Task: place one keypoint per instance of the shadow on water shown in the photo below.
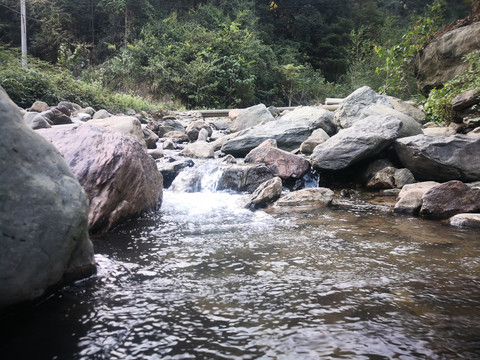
(207, 279)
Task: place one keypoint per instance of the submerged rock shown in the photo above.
(311, 197)
(43, 214)
(120, 178)
(465, 220)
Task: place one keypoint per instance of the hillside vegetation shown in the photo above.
(215, 54)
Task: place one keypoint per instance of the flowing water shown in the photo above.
(207, 279)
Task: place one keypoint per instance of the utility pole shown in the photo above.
(23, 16)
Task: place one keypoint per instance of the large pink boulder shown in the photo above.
(121, 180)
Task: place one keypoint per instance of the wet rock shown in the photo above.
(366, 138)
(318, 137)
(199, 149)
(177, 136)
(101, 114)
(168, 144)
(43, 214)
(150, 138)
(56, 117)
(175, 124)
(440, 158)
(202, 135)
(450, 198)
(35, 121)
(162, 130)
(170, 170)
(442, 59)
(250, 117)
(281, 163)
(390, 177)
(156, 153)
(465, 220)
(409, 201)
(266, 193)
(220, 123)
(193, 130)
(65, 110)
(229, 159)
(81, 117)
(372, 168)
(127, 125)
(243, 178)
(311, 197)
(121, 180)
(89, 110)
(288, 134)
(39, 106)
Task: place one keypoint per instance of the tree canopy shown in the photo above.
(219, 53)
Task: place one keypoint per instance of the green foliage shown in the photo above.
(42, 81)
(438, 107)
(399, 59)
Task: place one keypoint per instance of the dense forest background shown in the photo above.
(219, 53)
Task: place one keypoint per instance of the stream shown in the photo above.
(207, 279)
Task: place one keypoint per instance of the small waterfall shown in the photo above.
(203, 177)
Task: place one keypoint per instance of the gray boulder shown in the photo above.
(121, 180)
(43, 214)
(199, 149)
(288, 134)
(34, 121)
(250, 117)
(56, 116)
(410, 127)
(318, 137)
(150, 137)
(449, 199)
(101, 114)
(440, 158)
(39, 106)
(319, 118)
(366, 138)
(354, 104)
(243, 178)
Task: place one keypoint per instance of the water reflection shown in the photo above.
(210, 280)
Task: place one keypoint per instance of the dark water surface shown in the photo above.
(208, 280)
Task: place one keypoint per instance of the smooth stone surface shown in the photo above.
(409, 200)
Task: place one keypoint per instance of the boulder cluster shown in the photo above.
(71, 172)
(373, 142)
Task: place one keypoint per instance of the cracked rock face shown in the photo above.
(43, 214)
